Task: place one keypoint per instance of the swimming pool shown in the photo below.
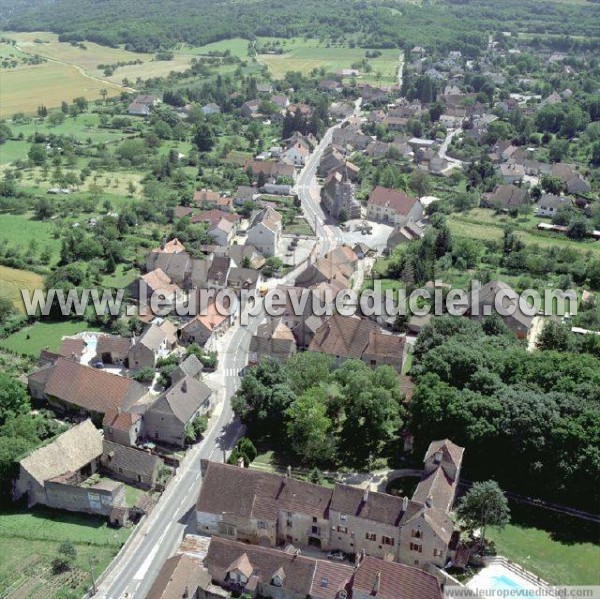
(498, 577)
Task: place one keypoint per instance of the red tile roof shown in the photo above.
(91, 389)
(388, 580)
(398, 201)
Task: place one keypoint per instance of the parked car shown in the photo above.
(337, 556)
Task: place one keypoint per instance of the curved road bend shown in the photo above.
(133, 571)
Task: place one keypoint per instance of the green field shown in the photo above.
(560, 549)
(121, 278)
(484, 224)
(21, 229)
(305, 55)
(43, 334)
(29, 542)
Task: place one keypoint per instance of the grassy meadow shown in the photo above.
(43, 334)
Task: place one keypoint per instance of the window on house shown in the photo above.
(388, 540)
(316, 530)
(437, 552)
(343, 518)
(262, 525)
(343, 529)
(288, 523)
(416, 547)
(371, 536)
(314, 518)
(416, 534)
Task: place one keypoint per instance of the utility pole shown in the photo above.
(92, 576)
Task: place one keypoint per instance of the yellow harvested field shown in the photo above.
(87, 59)
(47, 45)
(13, 280)
(24, 89)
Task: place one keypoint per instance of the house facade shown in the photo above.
(392, 206)
(275, 510)
(264, 231)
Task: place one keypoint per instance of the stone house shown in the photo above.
(191, 366)
(112, 349)
(549, 204)
(77, 451)
(348, 337)
(205, 325)
(122, 427)
(130, 465)
(273, 339)
(157, 341)
(487, 297)
(74, 387)
(392, 206)
(264, 231)
(55, 474)
(165, 420)
(273, 510)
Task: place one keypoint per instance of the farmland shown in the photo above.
(306, 55)
(24, 89)
(13, 280)
(29, 542)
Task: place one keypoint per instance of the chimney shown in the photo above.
(377, 584)
(404, 504)
(224, 457)
(288, 472)
(118, 410)
(184, 386)
(438, 457)
(240, 462)
(366, 495)
(429, 501)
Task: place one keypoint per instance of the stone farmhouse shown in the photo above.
(55, 474)
(393, 206)
(275, 510)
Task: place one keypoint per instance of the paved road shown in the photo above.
(134, 570)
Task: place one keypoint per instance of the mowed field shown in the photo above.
(306, 55)
(12, 281)
(25, 88)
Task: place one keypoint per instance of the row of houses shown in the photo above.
(228, 568)
(275, 510)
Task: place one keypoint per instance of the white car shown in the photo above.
(337, 556)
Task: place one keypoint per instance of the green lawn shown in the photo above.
(559, 549)
(29, 542)
(22, 229)
(42, 334)
(121, 278)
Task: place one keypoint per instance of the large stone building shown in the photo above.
(272, 510)
(339, 198)
(393, 206)
(264, 231)
(56, 474)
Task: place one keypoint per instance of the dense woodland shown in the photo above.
(148, 26)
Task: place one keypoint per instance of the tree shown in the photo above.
(7, 309)
(552, 184)
(37, 154)
(13, 398)
(555, 336)
(484, 505)
(144, 375)
(67, 554)
(43, 209)
(594, 159)
(5, 133)
(244, 449)
(309, 427)
(578, 229)
(204, 137)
